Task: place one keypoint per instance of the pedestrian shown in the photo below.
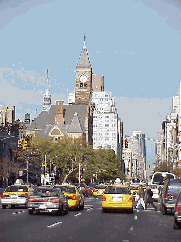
(149, 199)
(141, 194)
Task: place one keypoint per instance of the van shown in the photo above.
(169, 195)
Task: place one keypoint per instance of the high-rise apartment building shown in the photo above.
(105, 122)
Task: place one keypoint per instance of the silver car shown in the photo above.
(15, 195)
(47, 199)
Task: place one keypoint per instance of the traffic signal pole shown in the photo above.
(131, 165)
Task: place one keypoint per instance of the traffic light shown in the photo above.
(19, 143)
(126, 143)
(24, 144)
(148, 166)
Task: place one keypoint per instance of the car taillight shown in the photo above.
(2, 195)
(55, 201)
(166, 195)
(74, 197)
(26, 194)
(94, 190)
(103, 198)
(130, 199)
(176, 208)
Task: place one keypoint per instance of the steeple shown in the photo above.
(47, 97)
(84, 61)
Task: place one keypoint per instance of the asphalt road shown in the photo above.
(87, 225)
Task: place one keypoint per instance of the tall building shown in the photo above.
(97, 83)
(7, 115)
(106, 124)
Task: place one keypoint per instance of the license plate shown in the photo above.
(42, 206)
(117, 199)
(14, 196)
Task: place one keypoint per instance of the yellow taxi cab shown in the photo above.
(117, 197)
(75, 199)
(99, 190)
(15, 195)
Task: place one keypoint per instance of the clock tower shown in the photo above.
(83, 90)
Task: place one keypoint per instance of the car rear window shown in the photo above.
(16, 189)
(71, 190)
(62, 188)
(117, 190)
(174, 185)
(47, 192)
(100, 187)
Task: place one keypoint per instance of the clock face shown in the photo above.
(83, 79)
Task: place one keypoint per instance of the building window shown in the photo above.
(85, 84)
(81, 84)
(106, 125)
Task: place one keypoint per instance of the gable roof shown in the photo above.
(45, 121)
(75, 125)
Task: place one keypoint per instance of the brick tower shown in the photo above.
(83, 90)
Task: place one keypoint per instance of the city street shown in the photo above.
(89, 224)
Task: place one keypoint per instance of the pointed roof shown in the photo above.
(84, 61)
(75, 126)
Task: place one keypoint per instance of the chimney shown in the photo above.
(59, 112)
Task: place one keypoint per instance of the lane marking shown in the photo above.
(55, 224)
(19, 212)
(77, 214)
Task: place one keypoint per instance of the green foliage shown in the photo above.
(177, 171)
(163, 167)
(67, 153)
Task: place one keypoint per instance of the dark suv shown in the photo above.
(177, 213)
(169, 195)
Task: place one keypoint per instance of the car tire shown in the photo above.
(130, 211)
(78, 207)
(82, 207)
(4, 206)
(66, 211)
(30, 212)
(164, 210)
(104, 210)
(175, 224)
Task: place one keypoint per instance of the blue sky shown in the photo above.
(135, 44)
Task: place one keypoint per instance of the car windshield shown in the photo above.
(16, 189)
(117, 190)
(46, 192)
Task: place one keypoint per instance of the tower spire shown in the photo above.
(48, 88)
(84, 41)
(47, 96)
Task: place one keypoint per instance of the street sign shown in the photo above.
(43, 163)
